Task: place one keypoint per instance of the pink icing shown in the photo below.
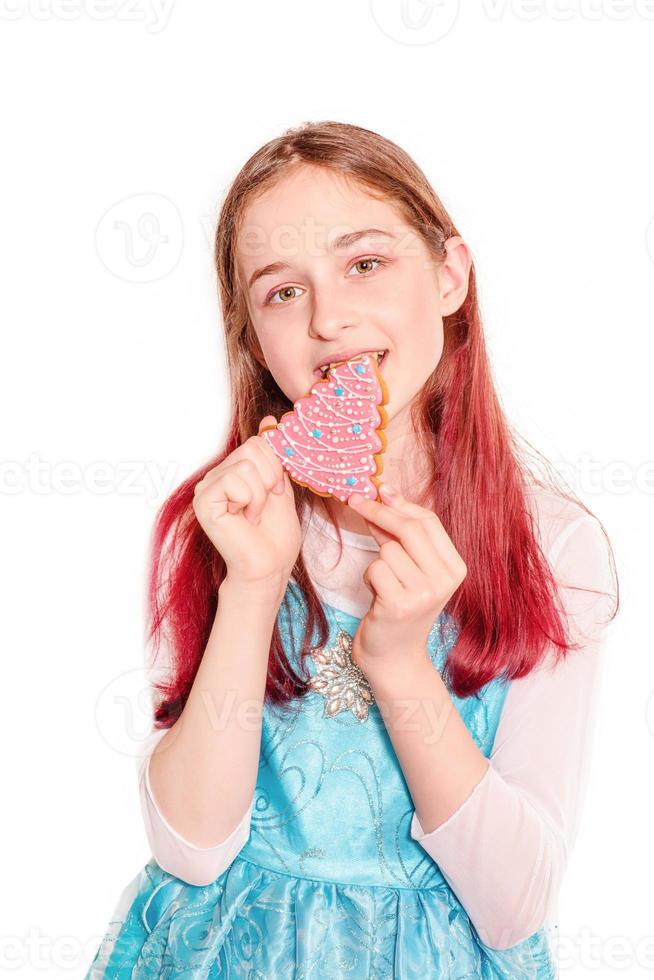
(331, 439)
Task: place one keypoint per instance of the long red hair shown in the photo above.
(507, 609)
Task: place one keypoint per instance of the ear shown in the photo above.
(454, 275)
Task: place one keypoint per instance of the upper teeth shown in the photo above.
(327, 367)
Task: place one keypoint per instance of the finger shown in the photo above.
(375, 511)
(433, 525)
(215, 476)
(402, 565)
(412, 532)
(229, 496)
(392, 497)
(379, 535)
(248, 470)
(283, 483)
(267, 422)
(382, 582)
(270, 422)
(256, 450)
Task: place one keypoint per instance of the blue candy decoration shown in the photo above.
(288, 451)
(317, 433)
(338, 391)
(356, 429)
(360, 369)
(351, 480)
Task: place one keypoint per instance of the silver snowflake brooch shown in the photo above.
(340, 681)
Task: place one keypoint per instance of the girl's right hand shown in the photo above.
(247, 509)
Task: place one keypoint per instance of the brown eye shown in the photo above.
(367, 261)
(285, 291)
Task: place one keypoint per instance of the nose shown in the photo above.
(331, 314)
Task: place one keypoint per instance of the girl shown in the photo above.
(372, 742)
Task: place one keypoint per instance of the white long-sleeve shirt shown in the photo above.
(505, 849)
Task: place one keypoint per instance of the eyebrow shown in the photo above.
(340, 243)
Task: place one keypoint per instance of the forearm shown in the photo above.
(440, 760)
(498, 850)
(203, 771)
(501, 830)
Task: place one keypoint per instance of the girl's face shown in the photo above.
(329, 270)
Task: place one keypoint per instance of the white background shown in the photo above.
(533, 122)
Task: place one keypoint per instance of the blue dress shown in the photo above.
(330, 883)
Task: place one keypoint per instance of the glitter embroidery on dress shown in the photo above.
(340, 680)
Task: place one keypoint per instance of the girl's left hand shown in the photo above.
(416, 573)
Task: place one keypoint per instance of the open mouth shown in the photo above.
(380, 355)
